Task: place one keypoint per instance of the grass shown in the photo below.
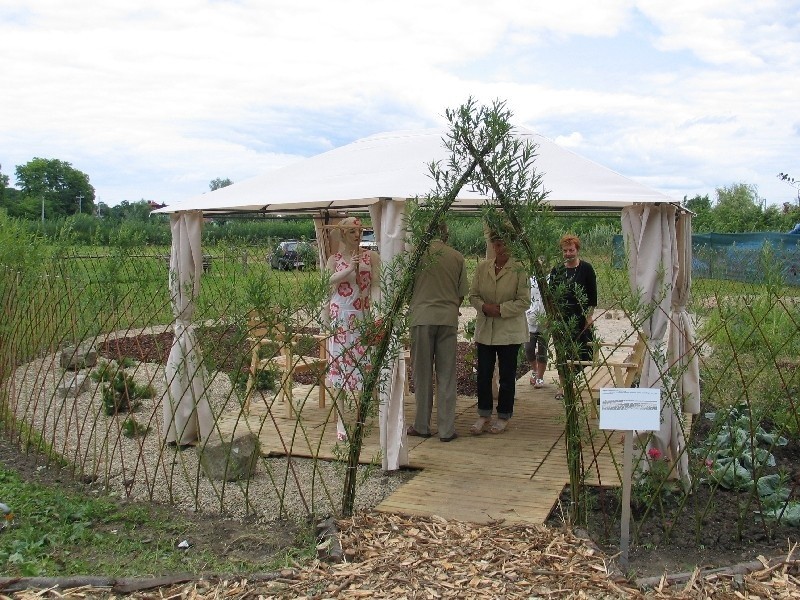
(58, 532)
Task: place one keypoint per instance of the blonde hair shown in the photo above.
(349, 222)
(346, 223)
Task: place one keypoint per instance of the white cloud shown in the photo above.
(155, 99)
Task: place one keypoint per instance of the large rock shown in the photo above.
(75, 358)
(229, 459)
(73, 385)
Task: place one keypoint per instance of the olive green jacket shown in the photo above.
(511, 289)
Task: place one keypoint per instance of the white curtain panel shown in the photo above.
(652, 270)
(682, 353)
(388, 221)
(187, 413)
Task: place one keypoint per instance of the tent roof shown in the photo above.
(395, 165)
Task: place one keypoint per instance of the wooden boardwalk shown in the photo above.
(516, 476)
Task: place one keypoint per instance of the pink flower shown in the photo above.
(654, 453)
(345, 289)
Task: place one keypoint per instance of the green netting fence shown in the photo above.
(750, 257)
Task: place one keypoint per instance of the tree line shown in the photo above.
(57, 201)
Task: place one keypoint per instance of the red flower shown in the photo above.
(357, 304)
(334, 310)
(654, 453)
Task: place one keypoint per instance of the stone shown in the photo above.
(73, 385)
(75, 358)
(229, 459)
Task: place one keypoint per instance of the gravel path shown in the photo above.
(143, 468)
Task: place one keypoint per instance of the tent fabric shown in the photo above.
(186, 411)
(380, 173)
(652, 270)
(682, 354)
(394, 165)
(388, 221)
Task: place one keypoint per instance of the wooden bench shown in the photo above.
(263, 334)
(605, 371)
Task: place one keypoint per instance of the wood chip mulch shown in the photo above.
(393, 556)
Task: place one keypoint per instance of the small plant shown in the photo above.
(733, 456)
(653, 486)
(470, 357)
(131, 428)
(106, 370)
(122, 394)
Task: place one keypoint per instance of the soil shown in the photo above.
(728, 532)
(714, 528)
(246, 541)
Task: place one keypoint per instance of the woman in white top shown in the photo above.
(536, 346)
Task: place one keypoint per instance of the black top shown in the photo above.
(579, 290)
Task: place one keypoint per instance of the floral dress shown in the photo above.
(348, 303)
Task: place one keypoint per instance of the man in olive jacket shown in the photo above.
(439, 288)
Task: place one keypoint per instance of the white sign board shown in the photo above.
(629, 409)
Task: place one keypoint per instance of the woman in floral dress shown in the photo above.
(354, 283)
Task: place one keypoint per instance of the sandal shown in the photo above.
(479, 426)
(533, 380)
(499, 426)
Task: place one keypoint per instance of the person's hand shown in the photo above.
(491, 310)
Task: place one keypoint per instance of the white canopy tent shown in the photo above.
(380, 173)
(394, 165)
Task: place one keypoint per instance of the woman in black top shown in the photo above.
(575, 285)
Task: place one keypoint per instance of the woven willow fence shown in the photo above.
(117, 303)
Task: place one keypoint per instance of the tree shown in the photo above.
(3, 185)
(701, 207)
(56, 185)
(738, 209)
(130, 211)
(217, 183)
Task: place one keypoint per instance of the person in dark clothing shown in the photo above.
(576, 284)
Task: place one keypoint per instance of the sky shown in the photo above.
(154, 99)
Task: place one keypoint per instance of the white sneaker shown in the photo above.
(539, 383)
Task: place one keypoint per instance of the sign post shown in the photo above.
(629, 410)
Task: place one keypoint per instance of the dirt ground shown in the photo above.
(723, 537)
(709, 532)
(222, 536)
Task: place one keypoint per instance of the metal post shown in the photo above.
(80, 203)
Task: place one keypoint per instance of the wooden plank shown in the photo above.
(517, 476)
